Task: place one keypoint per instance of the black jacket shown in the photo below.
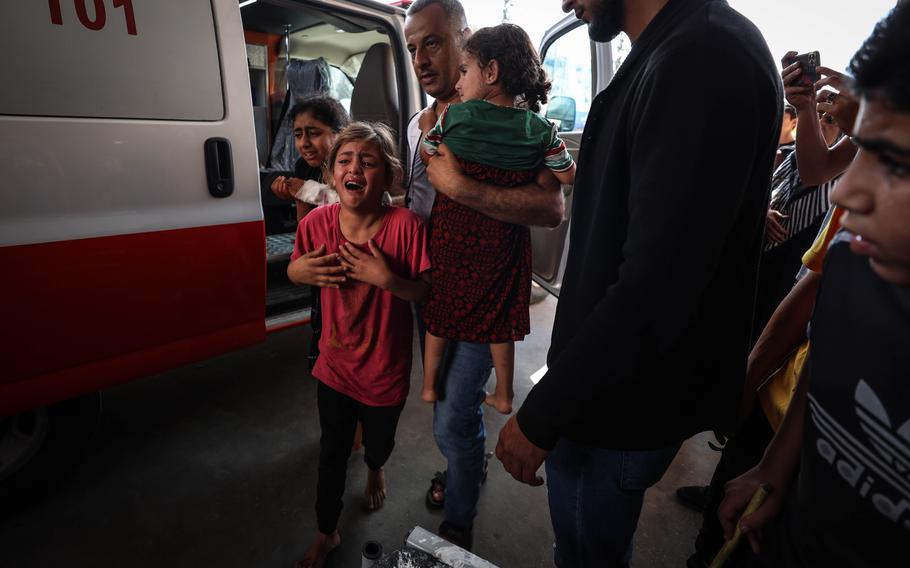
(652, 328)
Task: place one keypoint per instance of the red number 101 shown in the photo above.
(100, 17)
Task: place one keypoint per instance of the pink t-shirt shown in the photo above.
(365, 348)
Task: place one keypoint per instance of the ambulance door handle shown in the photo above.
(219, 167)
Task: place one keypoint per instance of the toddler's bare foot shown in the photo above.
(318, 550)
(375, 489)
(501, 403)
(428, 395)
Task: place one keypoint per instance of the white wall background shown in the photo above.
(836, 28)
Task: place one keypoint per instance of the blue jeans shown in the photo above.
(595, 499)
(458, 426)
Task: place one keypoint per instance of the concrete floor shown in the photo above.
(214, 464)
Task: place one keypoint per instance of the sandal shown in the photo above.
(437, 487)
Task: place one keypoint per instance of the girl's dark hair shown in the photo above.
(520, 73)
(324, 108)
(881, 67)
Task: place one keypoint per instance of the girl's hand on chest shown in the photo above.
(367, 266)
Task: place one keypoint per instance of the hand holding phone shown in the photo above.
(809, 63)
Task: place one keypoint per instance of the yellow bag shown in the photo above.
(777, 390)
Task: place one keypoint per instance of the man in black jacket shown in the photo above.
(652, 329)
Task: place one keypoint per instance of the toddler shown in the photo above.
(481, 284)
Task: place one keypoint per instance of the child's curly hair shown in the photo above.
(520, 73)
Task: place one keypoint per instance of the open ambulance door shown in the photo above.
(578, 69)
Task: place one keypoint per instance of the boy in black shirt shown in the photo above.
(849, 505)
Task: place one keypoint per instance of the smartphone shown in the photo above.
(809, 63)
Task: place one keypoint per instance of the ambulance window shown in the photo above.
(111, 59)
(342, 87)
(568, 64)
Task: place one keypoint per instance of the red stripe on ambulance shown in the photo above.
(83, 314)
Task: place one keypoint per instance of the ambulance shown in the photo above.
(138, 139)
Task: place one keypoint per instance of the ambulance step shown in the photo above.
(289, 319)
(285, 297)
(279, 247)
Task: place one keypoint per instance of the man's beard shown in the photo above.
(606, 23)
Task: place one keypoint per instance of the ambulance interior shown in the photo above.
(294, 51)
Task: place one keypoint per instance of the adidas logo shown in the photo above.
(892, 444)
(877, 466)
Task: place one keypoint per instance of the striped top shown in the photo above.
(801, 204)
(507, 138)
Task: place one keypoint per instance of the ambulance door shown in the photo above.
(578, 69)
(131, 233)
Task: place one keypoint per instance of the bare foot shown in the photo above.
(319, 549)
(375, 489)
(501, 403)
(428, 395)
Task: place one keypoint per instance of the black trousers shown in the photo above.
(338, 417)
(741, 453)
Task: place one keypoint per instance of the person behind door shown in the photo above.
(653, 324)
(317, 120)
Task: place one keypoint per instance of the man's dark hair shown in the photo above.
(453, 9)
(520, 73)
(790, 109)
(881, 67)
(324, 108)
